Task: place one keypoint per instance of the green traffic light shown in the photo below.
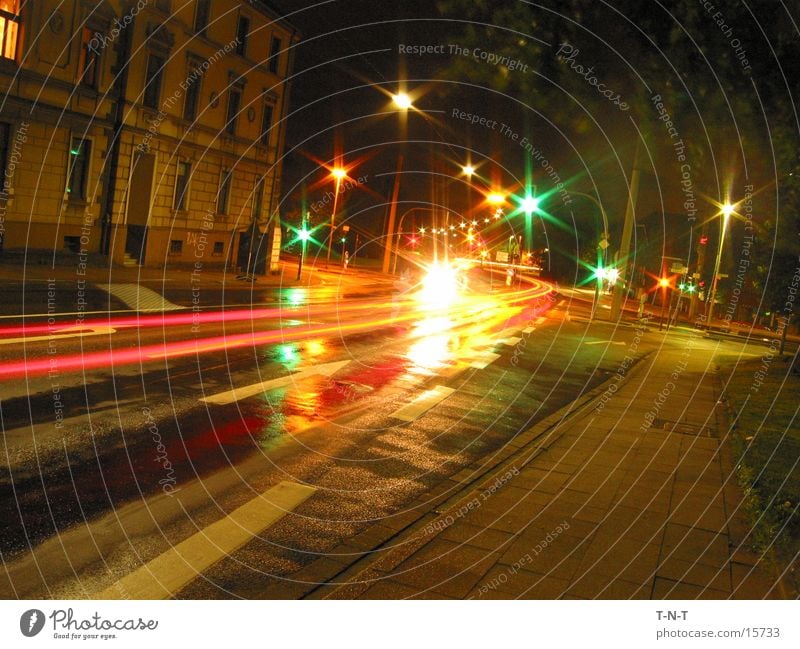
(529, 204)
(304, 235)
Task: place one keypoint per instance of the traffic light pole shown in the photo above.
(302, 249)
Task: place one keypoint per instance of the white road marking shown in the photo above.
(423, 403)
(231, 396)
(484, 360)
(172, 570)
(65, 332)
(513, 340)
(528, 330)
(604, 342)
(140, 298)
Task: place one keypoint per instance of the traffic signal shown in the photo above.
(703, 240)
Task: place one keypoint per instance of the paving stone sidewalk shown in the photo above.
(607, 508)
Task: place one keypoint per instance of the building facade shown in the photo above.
(146, 131)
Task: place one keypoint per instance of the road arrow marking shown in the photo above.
(423, 403)
(61, 333)
(181, 564)
(237, 394)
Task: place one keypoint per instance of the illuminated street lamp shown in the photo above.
(402, 101)
(468, 170)
(338, 174)
(496, 198)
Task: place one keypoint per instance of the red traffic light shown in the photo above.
(703, 240)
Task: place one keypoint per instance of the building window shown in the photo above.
(73, 244)
(219, 248)
(182, 174)
(275, 55)
(234, 101)
(152, 87)
(175, 246)
(266, 123)
(224, 194)
(193, 81)
(89, 63)
(9, 28)
(201, 16)
(79, 152)
(242, 30)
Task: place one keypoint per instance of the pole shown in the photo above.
(302, 248)
(387, 252)
(627, 231)
(333, 219)
(715, 279)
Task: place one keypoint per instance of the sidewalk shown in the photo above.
(42, 289)
(594, 505)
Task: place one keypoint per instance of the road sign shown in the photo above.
(677, 267)
(502, 256)
(604, 244)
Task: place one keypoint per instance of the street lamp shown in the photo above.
(402, 101)
(727, 211)
(496, 198)
(337, 173)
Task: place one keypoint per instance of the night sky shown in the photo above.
(348, 64)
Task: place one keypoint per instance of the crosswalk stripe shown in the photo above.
(484, 360)
(172, 570)
(422, 403)
(139, 298)
(513, 340)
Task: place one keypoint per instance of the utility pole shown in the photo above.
(627, 231)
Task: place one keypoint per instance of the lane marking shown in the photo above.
(231, 396)
(76, 331)
(423, 403)
(604, 342)
(484, 360)
(172, 570)
(513, 340)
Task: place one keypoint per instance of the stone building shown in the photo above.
(144, 131)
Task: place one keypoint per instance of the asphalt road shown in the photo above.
(108, 466)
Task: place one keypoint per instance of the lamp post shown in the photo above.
(727, 211)
(404, 103)
(338, 174)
